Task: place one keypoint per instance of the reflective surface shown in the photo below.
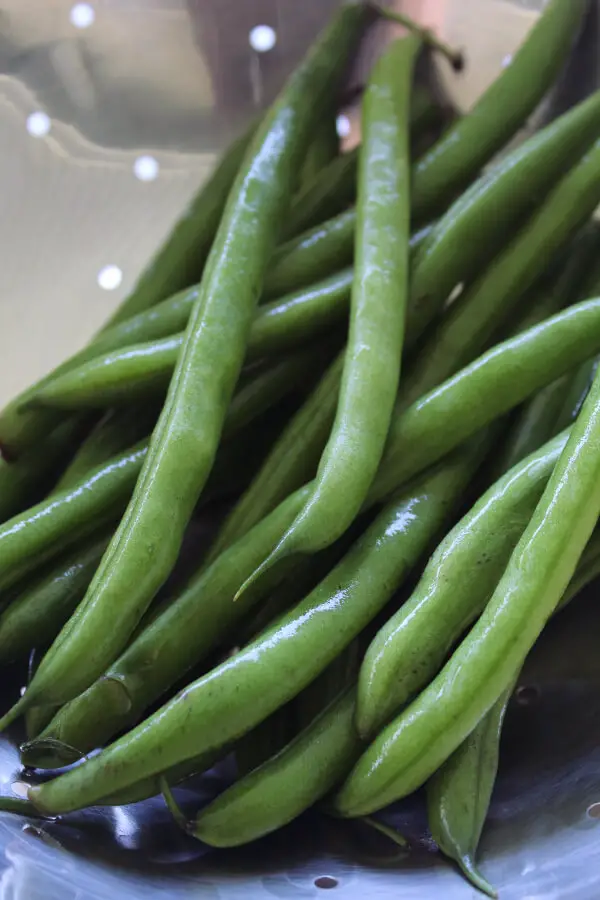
(110, 116)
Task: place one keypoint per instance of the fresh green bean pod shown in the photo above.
(115, 432)
(284, 786)
(377, 313)
(410, 649)
(323, 150)
(312, 255)
(484, 390)
(409, 750)
(334, 188)
(145, 369)
(459, 793)
(68, 516)
(45, 603)
(499, 112)
(24, 481)
(475, 227)
(482, 311)
(291, 462)
(231, 699)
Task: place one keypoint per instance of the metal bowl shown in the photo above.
(111, 115)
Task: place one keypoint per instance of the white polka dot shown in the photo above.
(342, 125)
(110, 277)
(507, 60)
(262, 38)
(146, 168)
(82, 15)
(38, 124)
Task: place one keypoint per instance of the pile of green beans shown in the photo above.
(390, 437)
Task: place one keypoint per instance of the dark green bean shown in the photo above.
(324, 149)
(114, 433)
(377, 312)
(24, 481)
(44, 604)
(499, 112)
(458, 794)
(146, 369)
(68, 516)
(283, 786)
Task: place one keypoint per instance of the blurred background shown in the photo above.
(111, 115)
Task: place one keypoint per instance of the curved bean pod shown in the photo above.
(146, 369)
(285, 785)
(459, 793)
(40, 610)
(411, 647)
(68, 516)
(377, 313)
(492, 385)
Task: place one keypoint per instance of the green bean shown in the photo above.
(537, 421)
(415, 744)
(334, 188)
(323, 150)
(411, 647)
(474, 318)
(184, 442)
(114, 433)
(150, 787)
(291, 462)
(317, 253)
(475, 227)
(268, 387)
(487, 388)
(458, 794)
(231, 699)
(265, 740)
(285, 785)
(377, 313)
(45, 603)
(146, 369)
(68, 516)
(22, 482)
(499, 112)
(179, 637)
